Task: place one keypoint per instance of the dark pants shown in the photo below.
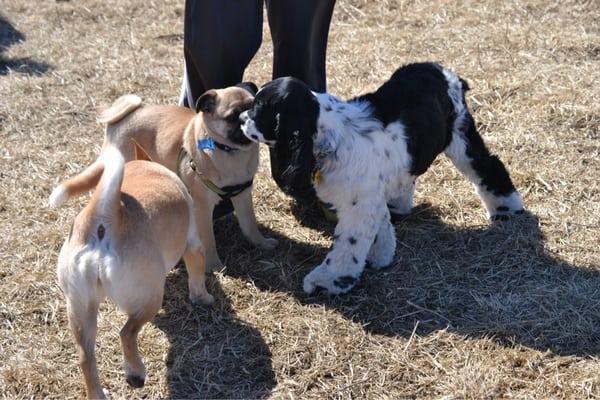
(222, 36)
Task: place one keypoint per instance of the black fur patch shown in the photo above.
(375, 240)
(327, 261)
(502, 208)
(207, 102)
(417, 95)
(354, 260)
(488, 167)
(286, 111)
(345, 282)
(101, 231)
(352, 240)
(249, 86)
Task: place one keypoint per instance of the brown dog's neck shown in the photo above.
(194, 132)
(221, 167)
(201, 132)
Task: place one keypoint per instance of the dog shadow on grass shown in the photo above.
(212, 353)
(496, 281)
(8, 37)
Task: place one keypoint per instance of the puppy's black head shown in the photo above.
(284, 115)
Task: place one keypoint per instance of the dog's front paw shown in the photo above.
(503, 213)
(501, 208)
(267, 244)
(204, 298)
(135, 381)
(135, 377)
(321, 277)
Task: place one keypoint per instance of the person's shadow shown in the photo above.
(212, 353)
(495, 281)
(25, 65)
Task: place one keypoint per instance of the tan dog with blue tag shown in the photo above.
(205, 148)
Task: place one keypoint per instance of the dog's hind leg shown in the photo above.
(195, 262)
(83, 323)
(489, 175)
(203, 216)
(134, 366)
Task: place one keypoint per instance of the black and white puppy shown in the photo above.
(363, 157)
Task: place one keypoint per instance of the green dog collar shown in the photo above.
(225, 192)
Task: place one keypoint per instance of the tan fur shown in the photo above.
(122, 245)
(123, 106)
(162, 130)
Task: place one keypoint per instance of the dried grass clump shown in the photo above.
(469, 310)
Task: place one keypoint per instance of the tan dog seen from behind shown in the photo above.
(121, 245)
(163, 131)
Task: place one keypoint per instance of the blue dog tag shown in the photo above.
(206, 144)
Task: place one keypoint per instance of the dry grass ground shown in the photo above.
(469, 310)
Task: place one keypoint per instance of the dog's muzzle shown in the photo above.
(238, 137)
(248, 127)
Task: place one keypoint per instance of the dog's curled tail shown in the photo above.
(122, 107)
(86, 180)
(108, 192)
(79, 184)
(89, 177)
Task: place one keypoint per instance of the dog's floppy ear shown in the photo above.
(249, 86)
(207, 102)
(140, 153)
